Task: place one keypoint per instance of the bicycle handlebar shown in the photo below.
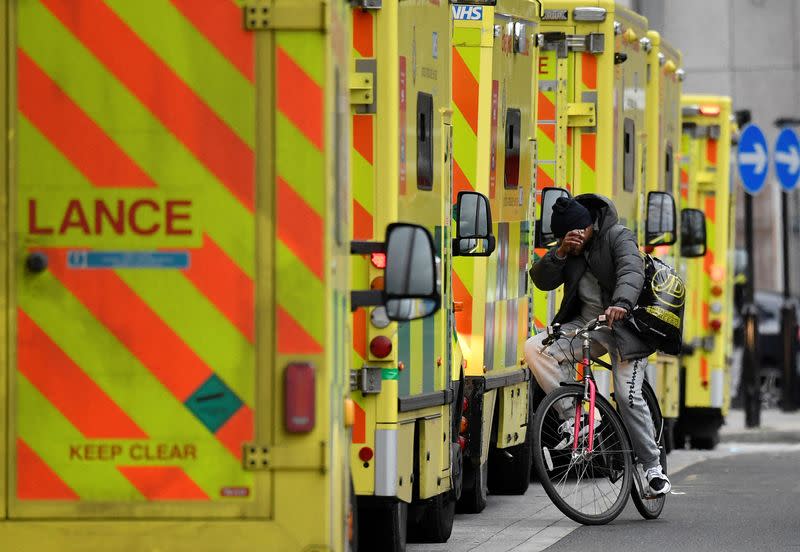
(554, 332)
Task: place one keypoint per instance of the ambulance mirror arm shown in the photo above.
(366, 298)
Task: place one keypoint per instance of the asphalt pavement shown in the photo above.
(745, 502)
(745, 494)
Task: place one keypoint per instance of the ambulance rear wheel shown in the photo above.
(705, 442)
(510, 468)
(383, 525)
(434, 519)
(476, 489)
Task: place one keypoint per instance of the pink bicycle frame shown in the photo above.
(592, 389)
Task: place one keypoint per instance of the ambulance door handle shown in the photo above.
(36, 262)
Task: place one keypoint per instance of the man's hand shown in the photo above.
(571, 243)
(615, 313)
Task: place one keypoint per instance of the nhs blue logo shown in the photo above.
(467, 13)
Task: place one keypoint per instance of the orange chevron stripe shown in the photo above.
(711, 208)
(237, 431)
(221, 24)
(362, 222)
(359, 425)
(589, 70)
(220, 280)
(363, 136)
(300, 228)
(163, 482)
(704, 371)
(360, 332)
(711, 151)
(549, 130)
(157, 86)
(72, 132)
(139, 329)
(460, 181)
(543, 179)
(705, 313)
(362, 32)
(589, 148)
(546, 109)
(68, 388)
(299, 98)
(292, 338)
(465, 91)
(36, 480)
(463, 318)
(708, 261)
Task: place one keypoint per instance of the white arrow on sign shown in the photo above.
(790, 158)
(757, 158)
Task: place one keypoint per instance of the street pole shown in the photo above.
(788, 319)
(751, 379)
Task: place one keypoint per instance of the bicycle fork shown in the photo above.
(590, 392)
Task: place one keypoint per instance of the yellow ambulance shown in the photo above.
(592, 126)
(175, 276)
(707, 244)
(494, 153)
(407, 378)
(663, 121)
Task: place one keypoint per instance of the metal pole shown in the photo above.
(788, 319)
(751, 379)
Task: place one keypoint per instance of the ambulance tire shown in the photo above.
(433, 521)
(352, 528)
(510, 468)
(383, 526)
(705, 442)
(476, 489)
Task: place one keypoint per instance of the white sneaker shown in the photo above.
(658, 480)
(568, 428)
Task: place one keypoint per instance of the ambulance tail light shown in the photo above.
(462, 442)
(709, 110)
(365, 454)
(465, 405)
(716, 290)
(716, 325)
(378, 260)
(464, 425)
(299, 397)
(380, 346)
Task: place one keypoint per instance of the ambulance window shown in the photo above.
(629, 156)
(669, 170)
(513, 123)
(424, 141)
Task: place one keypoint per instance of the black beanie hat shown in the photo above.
(568, 215)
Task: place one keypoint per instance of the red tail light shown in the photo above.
(380, 346)
(464, 425)
(716, 325)
(378, 260)
(300, 397)
(365, 454)
(716, 291)
(462, 442)
(465, 405)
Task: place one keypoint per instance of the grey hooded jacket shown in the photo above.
(613, 257)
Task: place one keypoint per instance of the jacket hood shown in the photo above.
(602, 210)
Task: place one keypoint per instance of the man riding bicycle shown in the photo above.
(598, 261)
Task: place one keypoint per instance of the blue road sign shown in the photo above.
(787, 159)
(753, 159)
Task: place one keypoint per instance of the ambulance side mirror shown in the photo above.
(693, 233)
(411, 288)
(544, 232)
(660, 226)
(473, 226)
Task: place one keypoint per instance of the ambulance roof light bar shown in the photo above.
(589, 14)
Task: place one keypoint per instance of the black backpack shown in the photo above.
(658, 314)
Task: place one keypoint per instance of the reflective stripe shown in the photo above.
(386, 462)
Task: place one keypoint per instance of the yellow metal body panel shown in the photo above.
(430, 456)
(318, 63)
(512, 418)
(708, 144)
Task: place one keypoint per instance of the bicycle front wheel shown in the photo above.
(588, 486)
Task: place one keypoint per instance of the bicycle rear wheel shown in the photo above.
(650, 507)
(591, 488)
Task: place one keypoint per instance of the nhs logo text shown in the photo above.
(468, 13)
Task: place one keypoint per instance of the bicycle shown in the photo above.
(596, 450)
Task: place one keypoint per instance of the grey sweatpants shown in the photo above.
(556, 363)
